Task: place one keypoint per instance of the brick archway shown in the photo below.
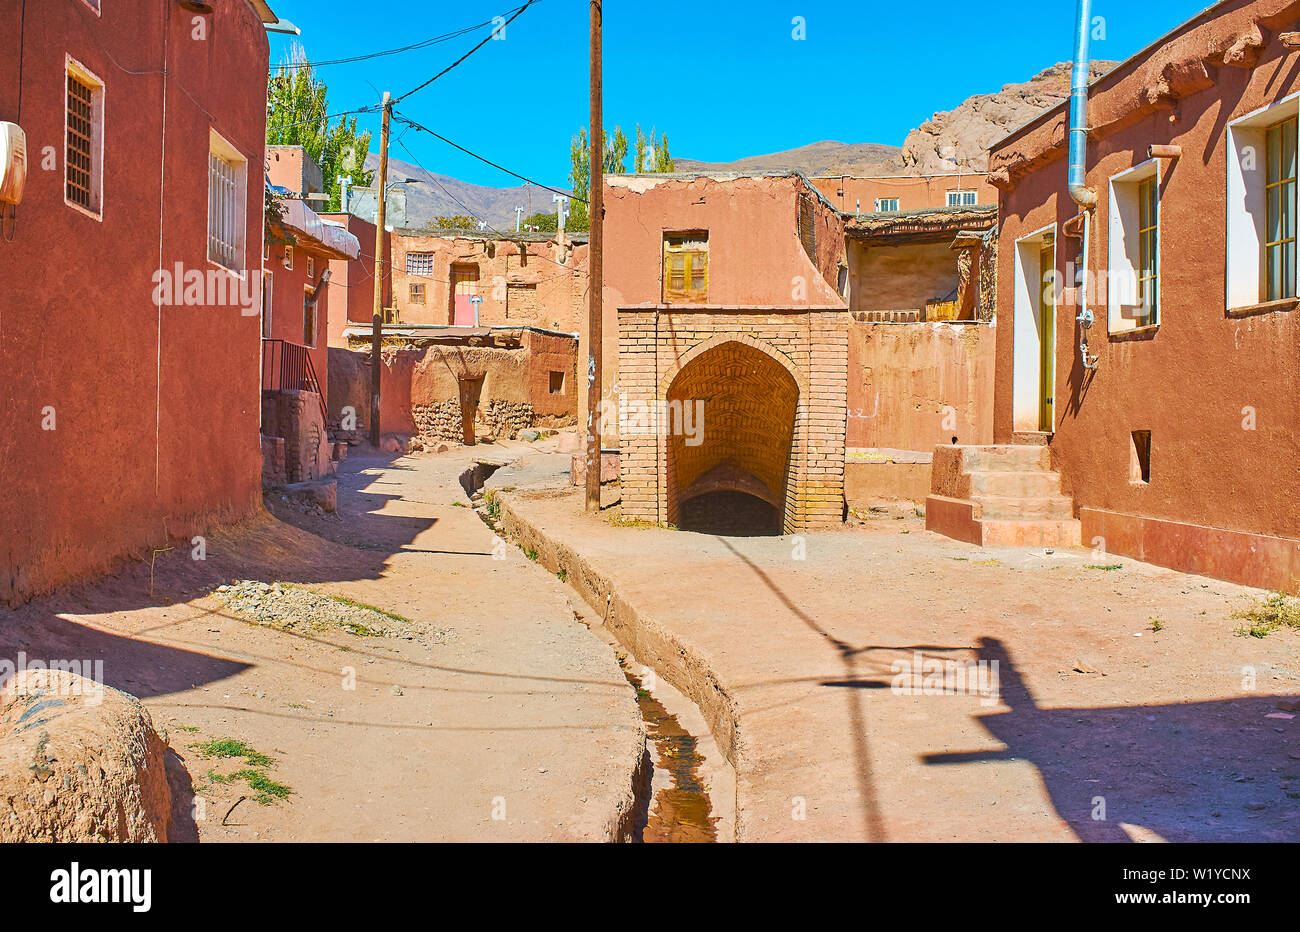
(774, 382)
(744, 408)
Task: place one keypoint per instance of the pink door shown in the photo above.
(464, 288)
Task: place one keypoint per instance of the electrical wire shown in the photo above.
(517, 13)
(424, 129)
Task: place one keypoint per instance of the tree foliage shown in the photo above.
(298, 115)
(647, 157)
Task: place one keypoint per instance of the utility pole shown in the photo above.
(595, 279)
(377, 321)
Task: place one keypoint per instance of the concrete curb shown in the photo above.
(682, 665)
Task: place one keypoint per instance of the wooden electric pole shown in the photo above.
(377, 321)
(595, 279)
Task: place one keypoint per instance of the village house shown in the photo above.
(130, 261)
(1147, 343)
(855, 194)
(482, 279)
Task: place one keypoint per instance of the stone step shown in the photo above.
(1009, 483)
(1006, 458)
(1023, 508)
(1056, 534)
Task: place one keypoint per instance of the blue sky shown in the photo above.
(723, 79)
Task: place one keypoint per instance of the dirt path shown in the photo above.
(1103, 729)
(517, 725)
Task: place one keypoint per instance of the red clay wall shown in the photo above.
(913, 386)
(755, 255)
(352, 281)
(913, 193)
(538, 284)
(156, 409)
(289, 287)
(1194, 381)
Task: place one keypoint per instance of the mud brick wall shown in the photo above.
(810, 345)
(297, 417)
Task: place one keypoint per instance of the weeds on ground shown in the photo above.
(531, 553)
(621, 521)
(232, 747)
(267, 790)
(1263, 617)
(352, 603)
(562, 575)
(1107, 567)
(1157, 623)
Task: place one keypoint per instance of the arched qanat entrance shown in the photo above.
(731, 474)
(770, 456)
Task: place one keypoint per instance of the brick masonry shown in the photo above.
(774, 382)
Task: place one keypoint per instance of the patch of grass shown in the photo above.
(620, 521)
(991, 561)
(356, 629)
(919, 512)
(1107, 567)
(232, 747)
(493, 506)
(267, 790)
(562, 575)
(1157, 623)
(190, 728)
(531, 553)
(459, 505)
(1264, 617)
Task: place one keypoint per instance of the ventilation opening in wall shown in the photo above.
(557, 383)
(1140, 457)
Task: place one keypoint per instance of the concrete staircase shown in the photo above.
(1000, 495)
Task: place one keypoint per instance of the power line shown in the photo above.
(471, 213)
(287, 66)
(486, 161)
(515, 15)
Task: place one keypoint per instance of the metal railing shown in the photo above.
(287, 367)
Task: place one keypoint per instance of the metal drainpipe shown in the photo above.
(1082, 195)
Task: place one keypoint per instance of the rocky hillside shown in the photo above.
(959, 138)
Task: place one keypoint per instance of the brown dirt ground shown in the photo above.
(1167, 730)
(524, 707)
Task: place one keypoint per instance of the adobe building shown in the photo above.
(1169, 426)
(352, 281)
(724, 295)
(131, 273)
(857, 194)
(477, 279)
(461, 384)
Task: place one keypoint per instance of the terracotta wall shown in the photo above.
(352, 281)
(1217, 390)
(288, 289)
(903, 277)
(913, 386)
(540, 284)
(755, 254)
(155, 408)
(292, 168)
(913, 192)
(421, 384)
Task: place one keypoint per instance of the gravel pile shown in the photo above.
(292, 608)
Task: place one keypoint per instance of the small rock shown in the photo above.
(397, 690)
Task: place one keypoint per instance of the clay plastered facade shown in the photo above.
(773, 386)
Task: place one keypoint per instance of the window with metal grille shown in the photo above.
(227, 197)
(288, 257)
(311, 266)
(886, 204)
(686, 268)
(83, 143)
(1280, 210)
(417, 292)
(961, 198)
(419, 263)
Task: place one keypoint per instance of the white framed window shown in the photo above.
(419, 263)
(288, 258)
(311, 267)
(227, 204)
(1261, 205)
(959, 197)
(886, 204)
(83, 140)
(1133, 249)
(268, 292)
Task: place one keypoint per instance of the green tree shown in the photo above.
(616, 152)
(542, 223)
(298, 115)
(457, 222)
